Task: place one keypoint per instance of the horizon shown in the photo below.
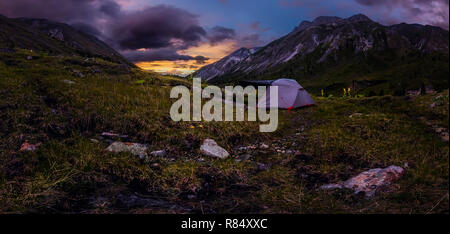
(177, 38)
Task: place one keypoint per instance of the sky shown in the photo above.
(181, 36)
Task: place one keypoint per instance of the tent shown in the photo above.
(291, 94)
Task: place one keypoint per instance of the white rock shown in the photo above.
(134, 148)
(211, 149)
(369, 181)
(355, 115)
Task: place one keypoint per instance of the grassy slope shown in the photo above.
(70, 173)
(387, 73)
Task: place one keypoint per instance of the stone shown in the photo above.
(212, 149)
(159, 153)
(369, 181)
(134, 148)
(244, 148)
(29, 57)
(355, 115)
(29, 147)
(69, 82)
(113, 135)
(95, 140)
(263, 146)
(243, 158)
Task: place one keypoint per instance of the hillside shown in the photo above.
(331, 53)
(53, 38)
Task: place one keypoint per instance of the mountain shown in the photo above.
(225, 65)
(54, 38)
(332, 50)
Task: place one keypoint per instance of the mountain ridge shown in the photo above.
(54, 38)
(330, 41)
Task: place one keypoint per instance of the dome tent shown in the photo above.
(291, 94)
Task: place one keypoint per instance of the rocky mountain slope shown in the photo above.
(54, 38)
(316, 47)
(226, 64)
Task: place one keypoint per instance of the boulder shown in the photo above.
(369, 181)
(134, 148)
(212, 149)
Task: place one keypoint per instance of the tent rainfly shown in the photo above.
(291, 94)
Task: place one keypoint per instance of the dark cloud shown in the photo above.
(86, 28)
(110, 8)
(219, 33)
(433, 12)
(157, 27)
(155, 55)
(168, 54)
(200, 60)
(58, 10)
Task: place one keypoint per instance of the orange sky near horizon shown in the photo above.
(181, 67)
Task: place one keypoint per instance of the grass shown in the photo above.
(71, 173)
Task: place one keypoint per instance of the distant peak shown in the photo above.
(359, 17)
(326, 20)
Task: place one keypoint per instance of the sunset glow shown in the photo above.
(182, 67)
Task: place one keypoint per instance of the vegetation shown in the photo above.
(369, 74)
(71, 172)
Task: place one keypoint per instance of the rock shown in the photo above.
(29, 147)
(355, 115)
(263, 146)
(243, 158)
(57, 34)
(432, 105)
(29, 57)
(94, 140)
(134, 148)
(69, 82)
(369, 181)
(290, 151)
(244, 148)
(211, 149)
(113, 135)
(159, 153)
